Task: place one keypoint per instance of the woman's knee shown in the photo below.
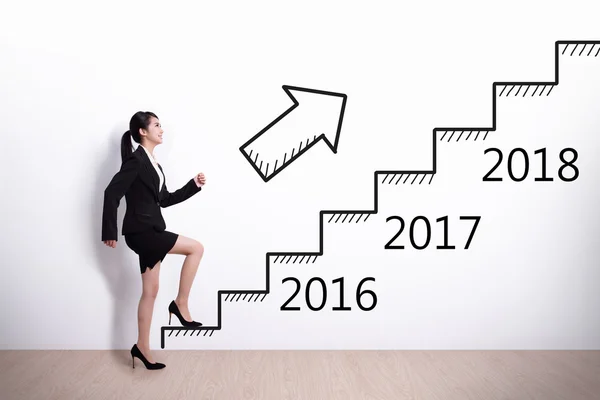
(198, 248)
(187, 246)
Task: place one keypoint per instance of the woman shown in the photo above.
(142, 182)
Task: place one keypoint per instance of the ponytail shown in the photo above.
(139, 120)
(126, 146)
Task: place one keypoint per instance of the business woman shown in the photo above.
(142, 181)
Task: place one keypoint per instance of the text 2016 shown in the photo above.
(360, 295)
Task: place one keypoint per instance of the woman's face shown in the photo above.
(154, 132)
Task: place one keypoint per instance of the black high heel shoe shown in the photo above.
(135, 352)
(173, 309)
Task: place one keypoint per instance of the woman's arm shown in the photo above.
(182, 194)
(112, 196)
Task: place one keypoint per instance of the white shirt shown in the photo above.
(158, 171)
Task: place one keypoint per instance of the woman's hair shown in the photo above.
(140, 119)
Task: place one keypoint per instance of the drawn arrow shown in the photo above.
(315, 115)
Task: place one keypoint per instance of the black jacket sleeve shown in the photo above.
(113, 194)
(182, 194)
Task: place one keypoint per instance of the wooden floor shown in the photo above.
(310, 375)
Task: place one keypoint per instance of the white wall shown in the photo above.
(73, 74)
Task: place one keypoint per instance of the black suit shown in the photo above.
(138, 181)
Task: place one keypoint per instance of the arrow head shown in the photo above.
(324, 109)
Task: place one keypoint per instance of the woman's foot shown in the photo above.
(146, 352)
(184, 310)
(137, 353)
(183, 315)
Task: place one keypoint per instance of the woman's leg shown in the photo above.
(193, 250)
(146, 308)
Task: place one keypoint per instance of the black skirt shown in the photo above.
(151, 246)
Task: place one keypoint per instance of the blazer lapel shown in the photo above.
(150, 172)
(164, 182)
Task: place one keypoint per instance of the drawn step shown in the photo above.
(594, 47)
(525, 87)
(299, 258)
(465, 135)
(403, 178)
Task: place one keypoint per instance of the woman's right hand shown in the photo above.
(111, 243)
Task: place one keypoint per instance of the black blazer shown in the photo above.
(138, 181)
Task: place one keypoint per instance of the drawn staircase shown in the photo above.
(395, 177)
